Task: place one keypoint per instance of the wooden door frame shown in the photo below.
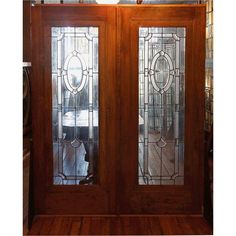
(77, 199)
(162, 199)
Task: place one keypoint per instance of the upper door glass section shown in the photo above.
(161, 105)
(75, 104)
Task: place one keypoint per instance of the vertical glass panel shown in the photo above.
(75, 110)
(161, 105)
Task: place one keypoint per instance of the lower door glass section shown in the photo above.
(161, 105)
(75, 111)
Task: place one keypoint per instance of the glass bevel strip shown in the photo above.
(75, 141)
(161, 105)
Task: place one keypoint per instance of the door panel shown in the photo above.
(74, 74)
(161, 169)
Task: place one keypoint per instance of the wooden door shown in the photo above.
(161, 109)
(117, 124)
(63, 36)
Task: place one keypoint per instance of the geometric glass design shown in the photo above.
(75, 105)
(161, 105)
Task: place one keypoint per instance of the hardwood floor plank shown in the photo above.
(124, 225)
(56, 225)
(36, 226)
(85, 226)
(95, 226)
(183, 224)
(46, 225)
(66, 226)
(176, 228)
(141, 225)
(199, 225)
(115, 226)
(105, 223)
(75, 226)
(166, 223)
(155, 225)
(99, 226)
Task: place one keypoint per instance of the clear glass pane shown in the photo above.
(161, 105)
(75, 102)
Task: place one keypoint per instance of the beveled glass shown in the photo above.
(75, 105)
(161, 105)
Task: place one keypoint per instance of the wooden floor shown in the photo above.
(123, 225)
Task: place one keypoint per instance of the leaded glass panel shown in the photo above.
(75, 105)
(161, 105)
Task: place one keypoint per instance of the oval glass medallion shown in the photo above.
(161, 74)
(75, 72)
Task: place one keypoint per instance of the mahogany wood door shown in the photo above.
(108, 90)
(79, 32)
(162, 109)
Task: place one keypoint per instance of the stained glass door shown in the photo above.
(118, 109)
(74, 111)
(162, 109)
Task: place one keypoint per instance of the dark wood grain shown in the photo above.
(38, 122)
(123, 225)
(26, 31)
(208, 172)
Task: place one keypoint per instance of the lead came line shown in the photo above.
(146, 88)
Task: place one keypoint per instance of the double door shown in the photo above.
(118, 109)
